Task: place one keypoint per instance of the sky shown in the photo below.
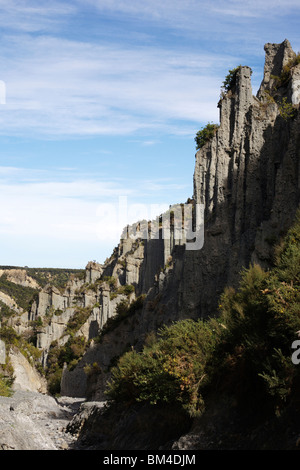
(100, 101)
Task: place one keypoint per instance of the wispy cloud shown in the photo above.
(34, 15)
(64, 87)
(78, 210)
(59, 86)
(194, 15)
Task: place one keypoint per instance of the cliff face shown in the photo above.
(247, 178)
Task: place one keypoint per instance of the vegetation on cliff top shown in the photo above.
(245, 351)
(205, 134)
(230, 80)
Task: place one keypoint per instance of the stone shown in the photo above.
(2, 352)
(34, 421)
(277, 55)
(26, 377)
(294, 88)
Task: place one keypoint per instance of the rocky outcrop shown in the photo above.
(93, 271)
(20, 277)
(247, 177)
(276, 57)
(26, 377)
(11, 303)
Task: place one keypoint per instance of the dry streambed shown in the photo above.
(32, 421)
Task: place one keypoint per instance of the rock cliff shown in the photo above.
(247, 179)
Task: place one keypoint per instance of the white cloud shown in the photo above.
(34, 15)
(63, 87)
(76, 211)
(195, 16)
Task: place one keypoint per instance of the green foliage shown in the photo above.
(80, 316)
(286, 110)
(5, 311)
(57, 277)
(230, 79)
(13, 339)
(9, 336)
(259, 323)
(5, 386)
(283, 79)
(205, 135)
(127, 289)
(69, 354)
(23, 296)
(168, 370)
(111, 281)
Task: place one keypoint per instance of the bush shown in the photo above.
(170, 370)
(5, 386)
(23, 296)
(286, 110)
(69, 354)
(257, 326)
(283, 79)
(230, 79)
(205, 135)
(80, 316)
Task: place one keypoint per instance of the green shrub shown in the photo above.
(170, 370)
(111, 281)
(23, 296)
(124, 310)
(283, 79)
(205, 135)
(286, 110)
(257, 326)
(5, 311)
(230, 79)
(5, 386)
(69, 354)
(80, 316)
(127, 289)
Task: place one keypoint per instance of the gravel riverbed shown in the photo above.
(33, 421)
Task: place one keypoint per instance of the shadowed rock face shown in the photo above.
(248, 178)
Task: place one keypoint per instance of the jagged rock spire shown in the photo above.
(277, 56)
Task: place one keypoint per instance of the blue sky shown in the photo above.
(103, 99)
